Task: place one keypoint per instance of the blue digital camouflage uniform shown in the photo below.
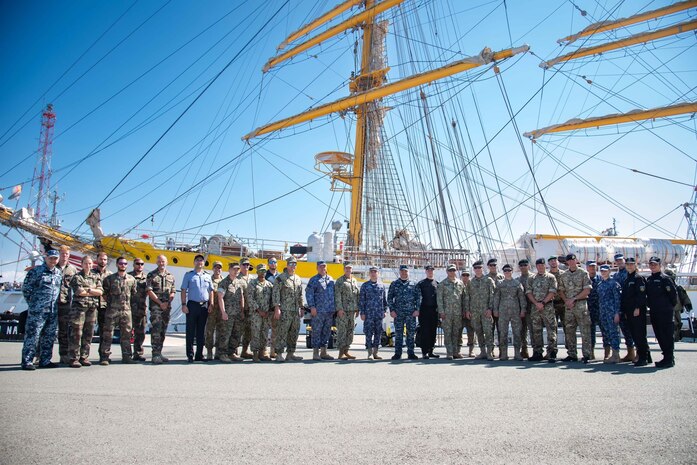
(319, 293)
(372, 302)
(404, 298)
(609, 295)
(594, 311)
(41, 290)
(620, 276)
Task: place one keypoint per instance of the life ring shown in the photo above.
(298, 256)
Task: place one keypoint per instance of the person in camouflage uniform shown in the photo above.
(497, 277)
(684, 304)
(101, 269)
(466, 321)
(215, 312)
(453, 303)
(244, 275)
(609, 298)
(559, 306)
(231, 297)
(320, 298)
(139, 309)
(68, 271)
(346, 292)
(271, 275)
(403, 300)
(119, 290)
(594, 309)
(574, 288)
(86, 287)
(621, 276)
(481, 299)
(288, 309)
(41, 290)
(541, 289)
(509, 306)
(372, 304)
(526, 321)
(258, 296)
(161, 290)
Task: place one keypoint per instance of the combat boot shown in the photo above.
(291, 356)
(375, 354)
(613, 358)
(449, 355)
(631, 354)
(127, 359)
(85, 363)
(156, 359)
(592, 357)
(516, 352)
(75, 364)
(342, 354)
(457, 355)
(279, 357)
(315, 354)
(349, 356)
(370, 354)
(324, 355)
(262, 355)
(164, 359)
(608, 349)
(209, 354)
(65, 360)
(471, 351)
(224, 359)
(245, 354)
(490, 354)
(503, 353)
(255, 356)
(482, 354)
(536, 357)
(233, 357)
(273, 353)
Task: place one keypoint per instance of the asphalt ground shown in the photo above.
(425, 411)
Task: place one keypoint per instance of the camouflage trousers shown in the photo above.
(452, 332)
(610, 329)
(260, 330)
(246, 329)
(484, 328)
(214, 328)
(404, 320)
(626, 330)
(229, 337)
(321, 329)
(344, 330)
(578, 317)
(287, 330)
(471, 336)
(112, 319)
(159, 320)
(81, 330)
(509, 317)
(63, 328)
(526, 328)
(596, 322)
(560, 312)
(541, 319)
(372, 328)
(40, 331)
(274, 325)
(138, 323)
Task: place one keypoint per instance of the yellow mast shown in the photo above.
(631, 40)
(604, 26)
(328, 16)
(607, 120)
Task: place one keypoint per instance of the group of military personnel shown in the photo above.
(224, 313)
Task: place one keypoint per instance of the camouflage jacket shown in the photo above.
(119, 291)
(233, 292)
(620, 276)
(523, 280)
(539, 285)
(287, 292)
(452, 297)
(496, 277)
(161, 284)
(557, 275)
(574, 282)
(216, 282)
(258, 295)
(42, 288)
(319, 293)
(346, 292)
(102, 275)
(403, 296)
(69, 271)
(245, 278)
(141, 297)
(372, 300)
(481, 294)
(609, 295)
(509, 296)
(85, 280)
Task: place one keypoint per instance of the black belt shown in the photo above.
(205, 302)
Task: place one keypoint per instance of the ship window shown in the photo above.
(206, 262)
(175, 260)
(147, 257)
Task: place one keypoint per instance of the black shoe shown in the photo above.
(641, 363)
(569, 358)
(648, 357)
(190, 359)
(412, 357)
(29, 367)
(199, 358)
(396, 356)
(535, 358)
(138, 358)
(585, 360)
(425, 356)
(665, 363)
(432, 355)
(552, 358)
(49, 365)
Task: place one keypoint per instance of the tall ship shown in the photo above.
(412, 165)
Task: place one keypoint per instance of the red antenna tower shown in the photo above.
(41, 183)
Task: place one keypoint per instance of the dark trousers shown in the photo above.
(196, 326)
(428, 323)
(662, 322)
(637, 327)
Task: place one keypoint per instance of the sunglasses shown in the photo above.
(122, 263)
(508, 271)
(292, 264)
(272, 262)
(477, 267)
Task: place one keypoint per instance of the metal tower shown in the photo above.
(41, 183)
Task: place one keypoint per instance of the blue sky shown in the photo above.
(111, 102)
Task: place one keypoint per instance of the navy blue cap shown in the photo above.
(428, 267)
(403, 267)
(321, 262)
(631, 260)
(373, 268)
(604, 267)
(619, 256)
(654, 260)
(571, 256)
(52, 253)
(591, 263)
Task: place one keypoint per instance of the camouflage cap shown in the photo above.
(234, 265)
(261, 268)
(245, 261)
(451, 267)
(465, 273)
(217, 263)
(291, 260)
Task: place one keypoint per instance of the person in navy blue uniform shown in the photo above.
(661, 297)
(197, 297)
(428, 313)
(372, 304)
(404, 298)
(41, 289)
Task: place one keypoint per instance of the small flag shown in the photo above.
(16, 192)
